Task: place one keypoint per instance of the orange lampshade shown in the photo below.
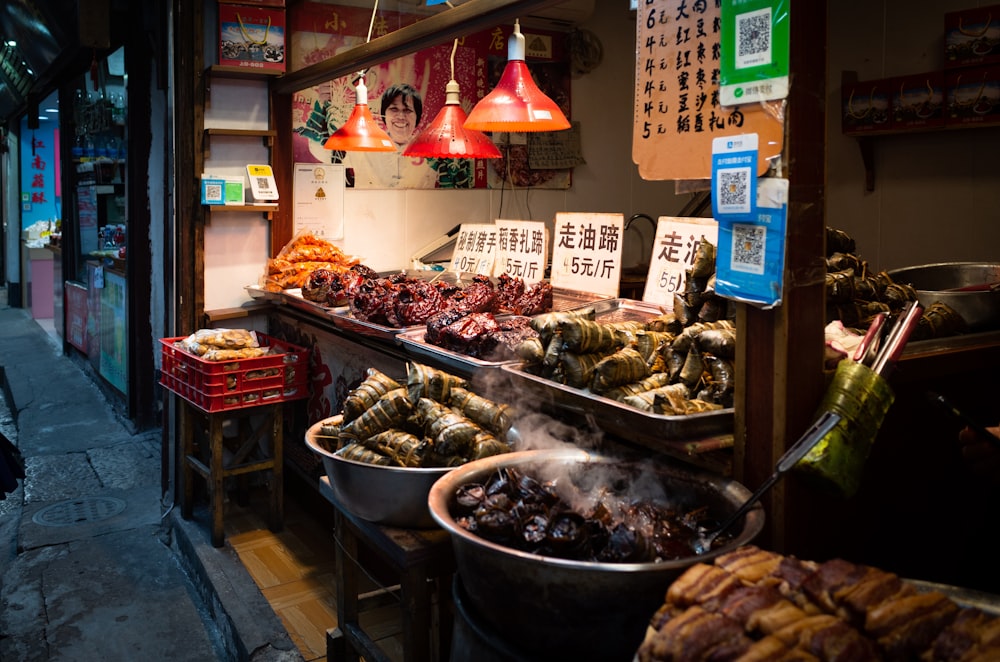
(360, 133)
(516, 103)
(446, 137)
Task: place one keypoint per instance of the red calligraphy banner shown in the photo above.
(677, 110)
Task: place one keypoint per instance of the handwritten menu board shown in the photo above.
(475, 248)
(674, 250)
(677, 111)
(522, 250)
(587, 252)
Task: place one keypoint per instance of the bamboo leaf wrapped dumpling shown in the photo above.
(390, 411)
(623, 367)
(369, 391)
(423, 381)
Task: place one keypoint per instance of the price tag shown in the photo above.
(522, 250)
(475, 249)
(673, 253)
(587, 252)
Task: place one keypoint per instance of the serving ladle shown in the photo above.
(797, 451)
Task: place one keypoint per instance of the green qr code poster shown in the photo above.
(753, 62)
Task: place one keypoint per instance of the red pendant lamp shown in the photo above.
(360, 133)
(516, 103)
(446, 136)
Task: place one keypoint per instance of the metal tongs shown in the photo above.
(881, 358)
(795, 452)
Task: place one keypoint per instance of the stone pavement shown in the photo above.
(94, 564)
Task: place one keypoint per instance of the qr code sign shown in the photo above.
(263, 183)
(749, 244)
(733, 190)
(753, 38)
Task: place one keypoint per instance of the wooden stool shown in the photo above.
(420, 557)
(217, 470)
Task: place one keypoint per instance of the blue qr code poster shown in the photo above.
(750, 263)
(734, 178)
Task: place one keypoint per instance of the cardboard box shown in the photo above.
(866, 106)
(918, 101)
(973, 96)
(972, 36)
(252, 37)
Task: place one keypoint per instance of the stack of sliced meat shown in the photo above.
(754, 605)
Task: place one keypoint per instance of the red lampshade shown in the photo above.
(360, 133)
(516, 103)
(446, 137)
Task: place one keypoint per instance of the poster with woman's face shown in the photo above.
(404, 97)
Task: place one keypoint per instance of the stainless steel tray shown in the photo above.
(343, 319)
(621, 420)
(563, 299)
(621, 310)
(294, 298)
(456, 363)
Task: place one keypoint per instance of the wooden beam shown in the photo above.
(466, 19)
(781, 350)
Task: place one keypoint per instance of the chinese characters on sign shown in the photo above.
(475, 249)
(587, 252)
(673, 254)
(318, 192)
(523, 249)
(677, 109)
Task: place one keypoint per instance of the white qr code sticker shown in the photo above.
(749, 248)
(753, 38)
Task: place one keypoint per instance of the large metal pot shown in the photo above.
(937, 282)
(394, 496)
(554, 608)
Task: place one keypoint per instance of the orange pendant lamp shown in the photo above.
(516, 103)
(360, 133)
(446, 136)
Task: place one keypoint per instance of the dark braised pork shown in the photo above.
(803, 610)
(478, 335)
(521, 299)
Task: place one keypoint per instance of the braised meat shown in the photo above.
(478, 335)
(802, 610)
(521, 299)
(317, 286)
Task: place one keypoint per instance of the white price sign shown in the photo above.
(475, 249)
(674, 250)
(587, 252)
(522, 250)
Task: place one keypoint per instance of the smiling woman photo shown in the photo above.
(402, 108)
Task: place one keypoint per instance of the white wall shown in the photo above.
(937, 195)
(386, 227)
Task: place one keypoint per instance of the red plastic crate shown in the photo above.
(221, 385)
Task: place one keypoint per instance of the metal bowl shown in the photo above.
(394, 496)
(980, 309)
(558, 608)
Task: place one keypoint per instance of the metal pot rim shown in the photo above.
(317, 448)
(438, 502)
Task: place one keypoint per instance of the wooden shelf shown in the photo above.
(260, 209)
(228, 71)
(234, 73)
(268, 136)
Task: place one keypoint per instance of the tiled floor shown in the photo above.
(295, 570)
